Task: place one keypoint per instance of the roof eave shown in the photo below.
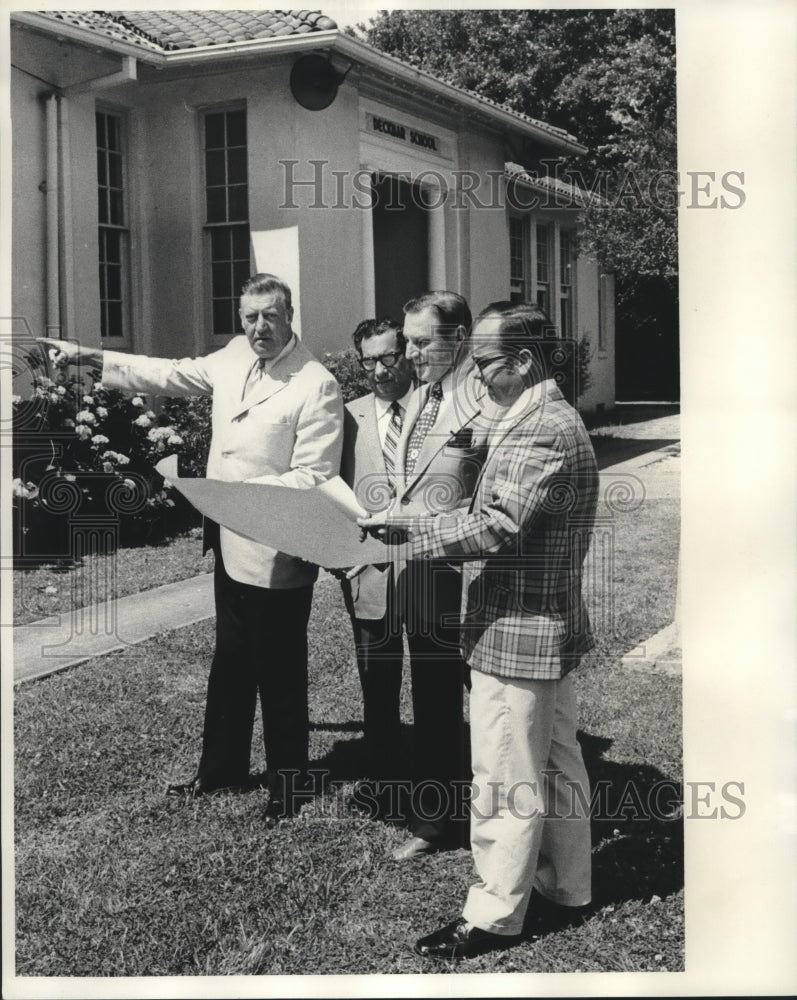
(85, 36)
(344, 45)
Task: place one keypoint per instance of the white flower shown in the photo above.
(85, 417)
(160, 446)
(142, 421)
(61, 390)
(122, 459)
(107, 466)
(102, 413)
(54, 398)
(129, 484)
(88, 400)
(69, 423)
(51, 591)
(83, 432)
(69, 477)
(26, 490)
(15, 398)
(99, 439)
(150, 414)
(175, 440)
(97, 386)
(137, 401)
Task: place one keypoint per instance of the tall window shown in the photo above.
(518, 258)
(114, 235)
(544, 268)
(226, 213)
(567, 268)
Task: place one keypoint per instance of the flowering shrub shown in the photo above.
(346, 369)
(89, 452)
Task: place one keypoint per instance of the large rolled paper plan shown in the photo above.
(318, 524)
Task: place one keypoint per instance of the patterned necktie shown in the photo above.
(254, 376)
(392, 435)
(423, 425)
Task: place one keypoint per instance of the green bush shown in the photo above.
(87, 453)
(345, 366)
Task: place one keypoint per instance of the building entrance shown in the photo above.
(401, 243)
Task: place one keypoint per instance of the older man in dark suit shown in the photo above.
(523, 539)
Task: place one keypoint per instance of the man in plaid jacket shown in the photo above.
(523, 539)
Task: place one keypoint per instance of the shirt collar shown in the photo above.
(382, 406)
(286, 350)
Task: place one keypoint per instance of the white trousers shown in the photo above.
(529, 824)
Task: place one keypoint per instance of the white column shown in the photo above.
(369, 275)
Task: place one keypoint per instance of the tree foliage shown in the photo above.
(607, 76)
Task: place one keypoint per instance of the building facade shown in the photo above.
(159, 158)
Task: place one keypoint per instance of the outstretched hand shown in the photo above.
(66, 352)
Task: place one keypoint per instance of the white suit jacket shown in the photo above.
(288, 430)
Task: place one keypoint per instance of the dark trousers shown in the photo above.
(380, 654)
(439, 768)
(261, 648)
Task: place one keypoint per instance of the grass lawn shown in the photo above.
(50, 589)
(114, 879)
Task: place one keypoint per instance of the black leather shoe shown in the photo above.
(189, 789)
(199, 786)
(546, 917)
(462, 940)
(285, 803)
(415, 847)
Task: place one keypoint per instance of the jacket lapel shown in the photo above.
(270, 382)
(548, 391)
(366, 420)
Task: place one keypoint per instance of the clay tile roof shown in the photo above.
(169, 31)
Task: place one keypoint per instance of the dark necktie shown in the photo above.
(423, 425)
(392, 435)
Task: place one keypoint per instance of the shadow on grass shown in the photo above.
(630, 413)
(613, 450)
(637, 828)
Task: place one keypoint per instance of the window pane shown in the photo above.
(117, 210)
(223, 316)
(102, 173)
(240, 276)
(113, 246)
(214, 131)
(220, 244)
(102, 205)
(214, 167)
(114, 320)
(236, 166)
(115, 283)
(113, 132)
(240, 243)
(115, 169)
(101, 140)
(236, 128)
(103, 285)
(217, 204)
(222, 281)
(239, 207)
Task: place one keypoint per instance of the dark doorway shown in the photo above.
(646, 345)
(401, 244)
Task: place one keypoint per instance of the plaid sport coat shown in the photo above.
(523, 539)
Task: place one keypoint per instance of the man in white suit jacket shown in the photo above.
(277, 419)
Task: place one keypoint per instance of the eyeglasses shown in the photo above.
(388, 360)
